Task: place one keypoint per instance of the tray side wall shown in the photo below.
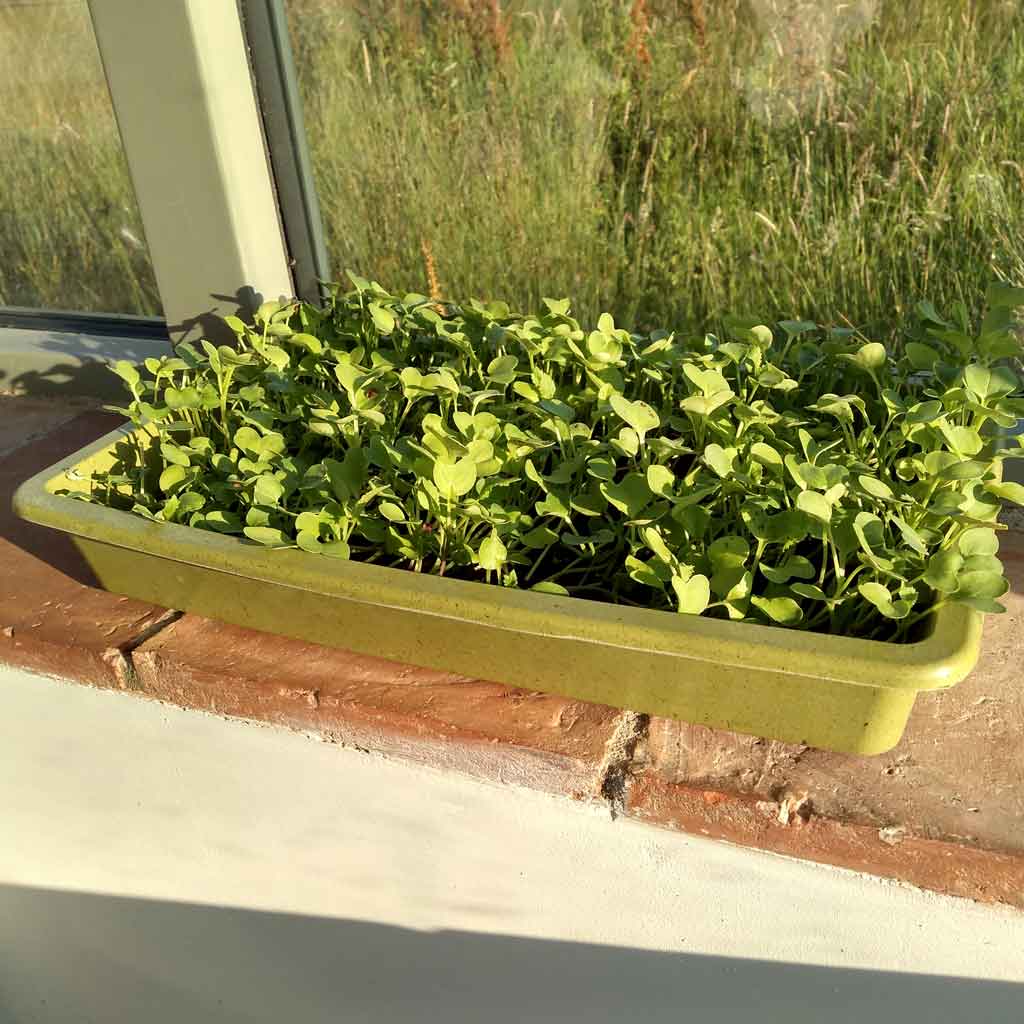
(797, 708)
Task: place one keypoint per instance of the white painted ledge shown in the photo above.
(41, 362)
(170, 865)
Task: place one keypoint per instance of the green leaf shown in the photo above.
(639, 415)
(493, 554)
(308, 522)
(783, 610)
(308, 540)
(383, 319)
(550, 588)
(552, 505)
(984, 585)
(692, 594)
(700, 405)
(335, 549)
(1000, 295)
(766, 455)
(267, 536)
(876, 488)
(978, 541)
(308, 341)
(968, 469)
(174, 455)
(628, 441)
(982, 604)
(539, 537)
(557, 408)
(709, 382)
(927, 311)
(797, 327)
(796, 567)
(127, 372)
(603, 348)
(557, 307)
(963, 440)
(870, 533)
(391, 511)
(720, 459)
(631, 496)
(788, 526)
(728, 553)
(190, 501)
(268, 490)
(911, 537)
(502, 370)
(815, 505)
(920, 357)
(880, 597)
(983, 563)
(527, 391)
(924, 412)
(248, 440)
(1008, 491)
(656, 542)
(454, 478)
(602, 468)
(649, 574)
(223, 522)
(172, 477)
(660, 479)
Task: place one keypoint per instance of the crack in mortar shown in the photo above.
(617, 767)
(126, 651)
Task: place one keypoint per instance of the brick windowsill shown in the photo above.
(944, 810)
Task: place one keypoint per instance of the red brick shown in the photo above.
(52, 619)
(957, 869)
(448, 721)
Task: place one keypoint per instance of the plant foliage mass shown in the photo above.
(795, 475)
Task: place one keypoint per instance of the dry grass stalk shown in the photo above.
(499, 31)
(637, 44)
(433, 283)
(488, 25)
(699, 21)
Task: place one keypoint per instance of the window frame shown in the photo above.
(207, 106)
(274, 73)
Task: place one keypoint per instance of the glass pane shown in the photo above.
(672, 160)
(70, 232)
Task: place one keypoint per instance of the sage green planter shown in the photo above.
(827, 691)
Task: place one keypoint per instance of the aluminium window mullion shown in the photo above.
(273, 67)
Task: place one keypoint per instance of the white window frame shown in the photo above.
(191, 126)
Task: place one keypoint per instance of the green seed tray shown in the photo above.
(834, 692)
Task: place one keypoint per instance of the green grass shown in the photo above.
(790, 167)
(70, 232)
(794, 164)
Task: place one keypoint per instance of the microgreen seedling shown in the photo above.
(793, 476)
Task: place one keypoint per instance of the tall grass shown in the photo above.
(669, 160)
(424, 131)
(70, 233)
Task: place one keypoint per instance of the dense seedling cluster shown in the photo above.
(795, 475)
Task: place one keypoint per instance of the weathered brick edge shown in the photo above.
(619, 777)
(952, 868)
